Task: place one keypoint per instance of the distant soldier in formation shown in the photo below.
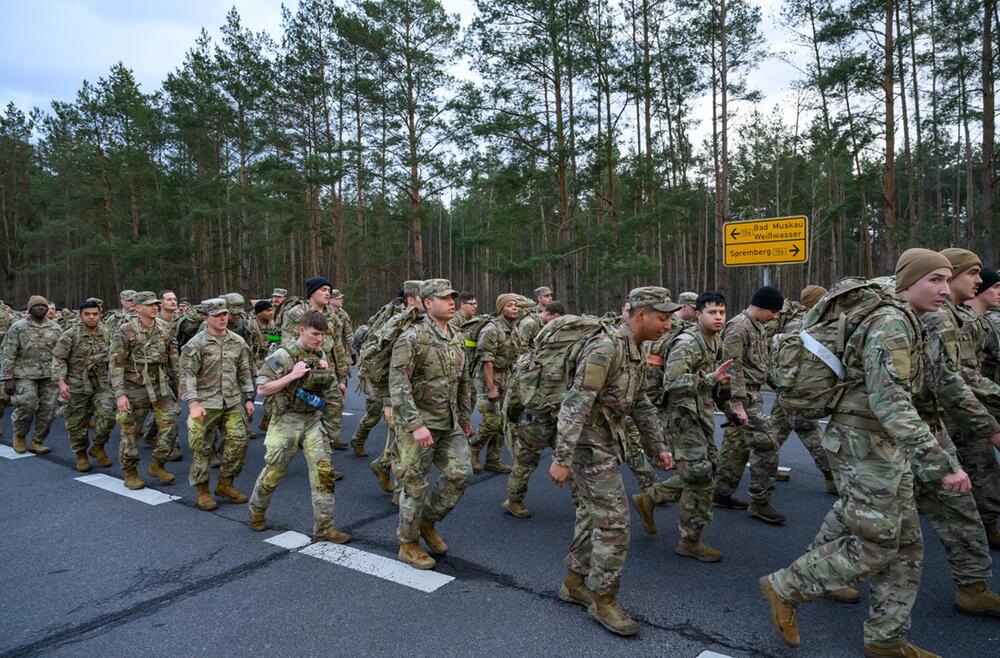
(118, 316)
(7, 318)
(169, 311)
(345, 329)
(529, 326)
(278, 296)
(465, 314)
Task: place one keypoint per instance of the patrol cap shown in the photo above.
(214, 306)
(95, 300)
(437, 288)
(687, 298)
(653, 297)
(127, 295)
(412, 287)
(90, 302)
(336, 294)
(542, 290)
(279, 292)
(145, 298)
(234, 300)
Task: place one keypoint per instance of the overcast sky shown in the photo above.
(48, 47)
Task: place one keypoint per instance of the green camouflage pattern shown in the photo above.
(80, 358)
(419, 502)
(216, 371)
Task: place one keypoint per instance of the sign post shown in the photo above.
(773, 241)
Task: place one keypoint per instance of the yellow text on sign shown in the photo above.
(775, 241)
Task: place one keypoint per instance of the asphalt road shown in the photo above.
(88, 572)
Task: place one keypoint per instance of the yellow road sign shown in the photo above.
(773, 241)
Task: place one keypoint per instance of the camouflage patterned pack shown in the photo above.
(285, 308)
(376, 352)
(472, 327)
(806, 367)
(542, 380)
(189, 324)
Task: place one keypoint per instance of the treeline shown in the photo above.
(345, 145)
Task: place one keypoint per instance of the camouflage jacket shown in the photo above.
(953, 395)
(144, 356)
(80, 358)
(27, 349)
(975, 331)
(171, 325)
(656, 357)
(216, 370)
(527, 328)
(260, 340)
(746, 343)
(610, 384)
(333, 342)
(115, 319)
(991, 347)
(346, 332)
(281, 362)
(498, 344)
(689, 375)
(428, 383)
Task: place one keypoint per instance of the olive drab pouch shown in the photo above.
(376, 353)
(318, 380)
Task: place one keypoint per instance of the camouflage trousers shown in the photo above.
(373, 414)
(419, 502)
(881, 539)
(34, 400)
(637, 462)
(285, 436)
(695, 453)
(201, 438)
(490, 432)
(807, 430)
(954, 517)
(754, 442)
(165, 413)
(81, 407)
(534, 433)
(333, 415)
(979, 460)
(601, 532)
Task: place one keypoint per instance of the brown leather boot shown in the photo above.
(846, 595)
(332, 535)
(156, 470)
(411, 553)
(132, 479)
(100, 456)
(337, 444)
(433, 540)
(176, 455)
(225, 489)
(359, 449)
(496, 466)
(573, 590)
(605, 610)
(831, 484)
(257, 521)
(516, 509)
(82, 463)
(698, 550)
(39, 448)
(782, 613)
(644, 505)
(729, 502)
(19, 445)
(977, 600)
(766, 513)
(382, 476)
(205, 500)
(476, 464)
(905, 650)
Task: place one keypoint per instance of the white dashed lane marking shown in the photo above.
(114, 485)
(8, 453)
(711, 654)
(363, 561)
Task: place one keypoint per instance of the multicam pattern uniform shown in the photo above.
(429, 387)
(216, 372)
(608, 386)
(373, 399)
(80, 358)
(875, 471)
(498, 344)
(991, 346)
(27, 359)
(7, 318)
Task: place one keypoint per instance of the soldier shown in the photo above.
(183, 305)
(318, 290)
(466, 316)
(116, 318)
(695, 380)
(262, 332)
(278, 296)
(238, 322)
(144, 376)
(749, 434)
(990, 322)
(497, 350)
(169, 313)
(298, 380)
(430, 402)
(609, 385)
(7, 318)
(688, 313)
(169, 319)
(80, 369)
(219, 390)
(529, 326)
(346, 330)
(26, 372)
(875, 454)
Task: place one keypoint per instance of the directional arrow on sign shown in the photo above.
(795, 250)
(734, 234)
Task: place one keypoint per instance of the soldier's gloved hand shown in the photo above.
(8, 386)
(957, 482)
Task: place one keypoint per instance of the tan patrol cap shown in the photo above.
(214, 306)
(437, 288)
(279, 292)
(653, 297)
(145, 298)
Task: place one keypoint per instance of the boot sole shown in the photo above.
(728, 506)
(763, 585)
(700, 558)
(526, 515)
(767, 519)
(422, 567)
(616, 631)
(977, 613)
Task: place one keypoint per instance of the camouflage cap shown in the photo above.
(542, 290)
(336, 294)
(127, 295)
(95, 300)
(214, 306)
(687, 298)
(234, 300)
(145, 298)
(437, 288)
(279, 292)
(654, 297)
(412, 287)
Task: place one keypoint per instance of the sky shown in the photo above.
(49, 47)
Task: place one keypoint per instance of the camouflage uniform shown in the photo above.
(7, 318)
(498, 344)
(609, 385)
(26, 358)
(346, 333)
(991, 348)
(217, 374)
(144, 368)
(875, 454)
(460, 323)
(528, 327)
(745, 340)
(296, 424)
(374, 400)
(260, 340)
(80, 358)
(429, 387)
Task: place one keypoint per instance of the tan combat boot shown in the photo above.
(574, 591)
(411, 553)
(176, 455)
(993, 536)
(606, 611)
(156, 470)
(433, 540)
(698, 550)
(496, 466)
(766, 513)
(257, 521)
(132, 479)
(382, 476)
(82, 463)
(831, 484)
(359, 449)
(39, 448)
(975, 599)
(782, 613)
(516, 509)
(205, 500)
(332, 535)
(225, 489)
(337, 444)
(644, 505)
(19, 445)
(100, 456)
(905, 650)
(846, 595)
(476, 464)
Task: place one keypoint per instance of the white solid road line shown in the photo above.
(114, 485)
(8, 453)
(363, 561)
(711, 654)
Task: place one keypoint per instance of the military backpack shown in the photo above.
(376, 352)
